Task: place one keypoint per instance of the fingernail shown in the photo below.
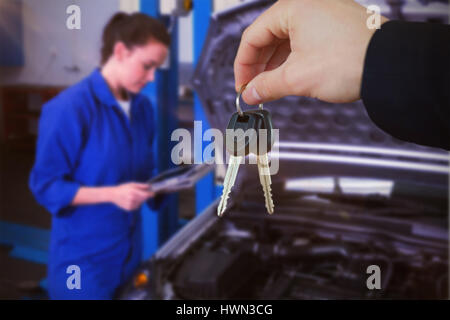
(256, 94)
(251, 95)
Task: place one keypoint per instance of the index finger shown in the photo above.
(258, 43)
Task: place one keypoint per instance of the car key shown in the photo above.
(239, 148)
(263, 159)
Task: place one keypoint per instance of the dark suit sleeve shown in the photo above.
(406, 82)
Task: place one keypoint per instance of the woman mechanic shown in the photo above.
(94, 153)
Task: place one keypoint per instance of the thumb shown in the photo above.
(271, 85)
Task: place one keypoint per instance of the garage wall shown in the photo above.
(55, 55)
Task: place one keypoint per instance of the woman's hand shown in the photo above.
(313, 48)
(130, 196)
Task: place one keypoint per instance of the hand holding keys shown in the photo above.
(250, 130)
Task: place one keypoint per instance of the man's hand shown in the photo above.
(313, 48)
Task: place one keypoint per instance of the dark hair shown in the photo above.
(133, 30)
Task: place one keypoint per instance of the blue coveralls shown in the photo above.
(86, 139)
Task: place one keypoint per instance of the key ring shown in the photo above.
(238, 106)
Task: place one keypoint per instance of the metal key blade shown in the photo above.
(266, 181)
(230, 178)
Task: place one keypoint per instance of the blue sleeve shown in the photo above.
(58, 147)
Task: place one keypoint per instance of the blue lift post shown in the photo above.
(206, 191)
(163, 93)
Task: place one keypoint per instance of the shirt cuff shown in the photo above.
(66, 193)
